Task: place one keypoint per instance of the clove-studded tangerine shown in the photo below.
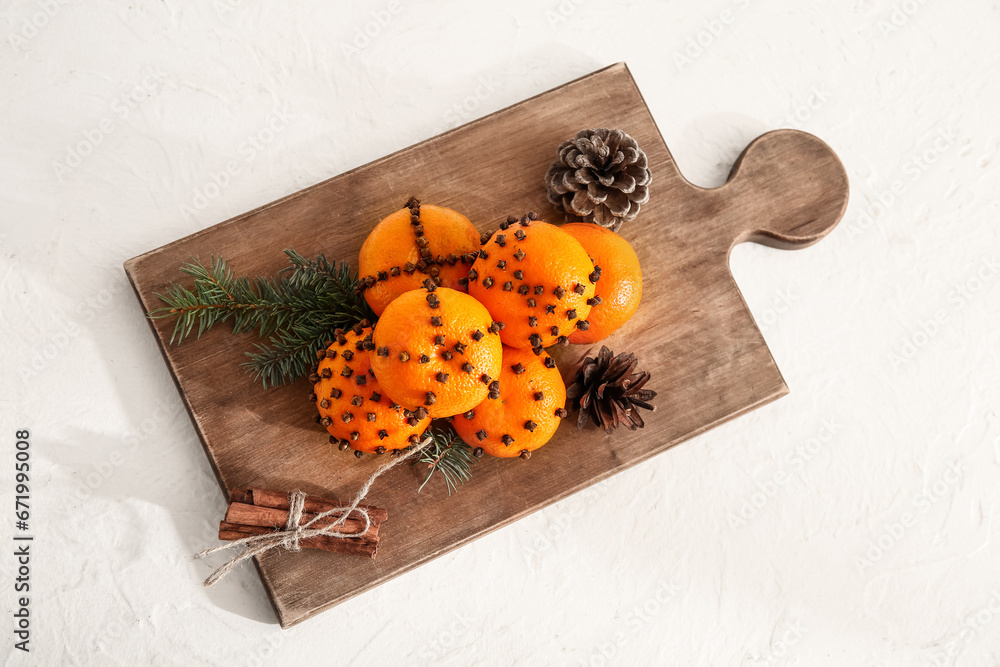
(437, 351)
(417, 242)
(529, 407)
(352, 403)
(620, 288)
(537, 279)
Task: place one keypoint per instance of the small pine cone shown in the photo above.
(608, 392)
(601, 176)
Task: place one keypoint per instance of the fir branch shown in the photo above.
(289, 354)
(339, 284)
(298, 310)
(449, 455)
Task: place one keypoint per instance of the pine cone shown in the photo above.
(601, 175)
(607, 392)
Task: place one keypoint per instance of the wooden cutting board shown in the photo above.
(693, 330)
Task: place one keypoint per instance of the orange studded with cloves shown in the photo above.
(437, 351)
(537, 280)
(353, 406)
(524, 412)
(417, 242)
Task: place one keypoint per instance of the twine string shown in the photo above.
(255, 545)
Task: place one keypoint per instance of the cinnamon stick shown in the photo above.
(352, 546)
(313, 504)
(267, 517)
(259, 512)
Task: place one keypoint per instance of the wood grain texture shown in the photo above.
(693, 329)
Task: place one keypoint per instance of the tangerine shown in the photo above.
(352, 404)
(412, 244)
(537, 280)
(620, 289)
(437, 351)
(528, 412)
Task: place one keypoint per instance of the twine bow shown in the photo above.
(288, 538)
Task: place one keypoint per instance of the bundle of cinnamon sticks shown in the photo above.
(259, 511)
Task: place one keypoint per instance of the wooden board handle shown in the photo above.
(788, 189)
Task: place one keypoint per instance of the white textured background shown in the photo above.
(853, 522)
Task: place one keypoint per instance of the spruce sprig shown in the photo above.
(289, 354)
(448, 455)
(297, 310)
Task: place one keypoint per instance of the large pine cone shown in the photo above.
(601, 176)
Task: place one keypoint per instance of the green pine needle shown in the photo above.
(448, 455)
(297, 311)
